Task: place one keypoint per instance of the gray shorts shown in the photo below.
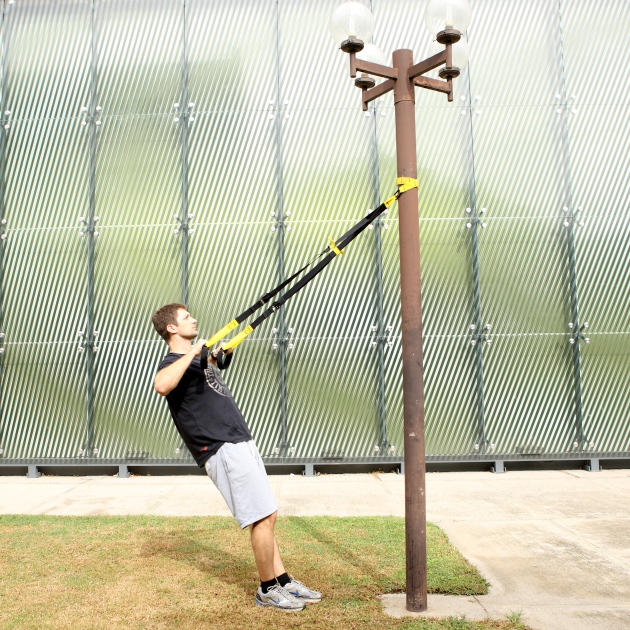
(238, 472)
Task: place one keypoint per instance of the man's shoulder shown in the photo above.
(171, 357)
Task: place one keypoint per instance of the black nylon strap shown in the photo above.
(346, 239)
(267, 296)
(329, 253)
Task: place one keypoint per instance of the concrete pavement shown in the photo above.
(553, 544)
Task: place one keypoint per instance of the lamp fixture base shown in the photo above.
(449, 73)
(352, 45)
(448, 36)
(365, 82)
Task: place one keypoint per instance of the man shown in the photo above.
(217, 436)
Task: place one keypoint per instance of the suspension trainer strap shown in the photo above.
(334, 249)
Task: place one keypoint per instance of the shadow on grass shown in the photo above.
(206, 554)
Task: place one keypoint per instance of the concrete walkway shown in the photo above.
(553, 544)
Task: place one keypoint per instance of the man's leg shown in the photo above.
(278, 567)
(266, 548)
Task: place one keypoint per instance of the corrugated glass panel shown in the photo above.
(514, 52)
(450, 395)
(595, 37)
(341, 301)
(603, 262)
(323, 179)
(232, 169)
(47, 58)
(314, 73)
(223, 285)
(518, 161)
(232, 54)
(138, 171)
(131, 420)
(332, 403)
(606, 398)
(443, 154)
(529, 394)
(599, 143)
(43, 400)
(46, 173)
(254, 380)
(524, 275)
(140, 52)
(44, 285)
(138, 269)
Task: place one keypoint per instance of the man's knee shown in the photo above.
(268, 521)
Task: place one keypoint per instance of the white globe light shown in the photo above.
(461, 53)
(441, 15)
(373, 54)
(351, 19)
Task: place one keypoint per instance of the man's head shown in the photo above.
(174, 320)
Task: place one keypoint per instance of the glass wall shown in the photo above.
(202, 150)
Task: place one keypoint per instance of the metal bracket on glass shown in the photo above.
(6, 119)
(475, 219)
(86, 451)
(2, 338)
(577, 332)
(566, 106)
(480, 336)
(572, 217)
(91, 117)
(382, 224)
(282, 340)
(280, 221)
(3, 230)
(183, 114)
(87, 227)
(380, 338)
(184, 224)
(88, 342)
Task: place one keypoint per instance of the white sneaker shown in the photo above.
(301, 592)
(278, 597)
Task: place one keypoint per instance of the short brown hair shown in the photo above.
(165, 316)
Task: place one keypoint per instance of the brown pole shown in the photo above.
(413, 386)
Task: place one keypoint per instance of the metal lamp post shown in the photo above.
(352, 25)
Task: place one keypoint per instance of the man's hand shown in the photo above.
(198, 346)
(167, 379)
(215, 353)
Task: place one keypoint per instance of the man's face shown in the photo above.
(186, 325)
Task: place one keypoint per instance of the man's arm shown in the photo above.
(167, 379)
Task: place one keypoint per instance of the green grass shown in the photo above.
(155, 572)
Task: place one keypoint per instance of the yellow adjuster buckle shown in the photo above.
(235, 341)
(334, 247)
(406, 183)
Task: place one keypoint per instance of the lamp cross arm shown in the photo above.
(371, 68)
(372, 94)
(434, 84)
(428, 64)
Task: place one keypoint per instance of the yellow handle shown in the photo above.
(224, 331)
